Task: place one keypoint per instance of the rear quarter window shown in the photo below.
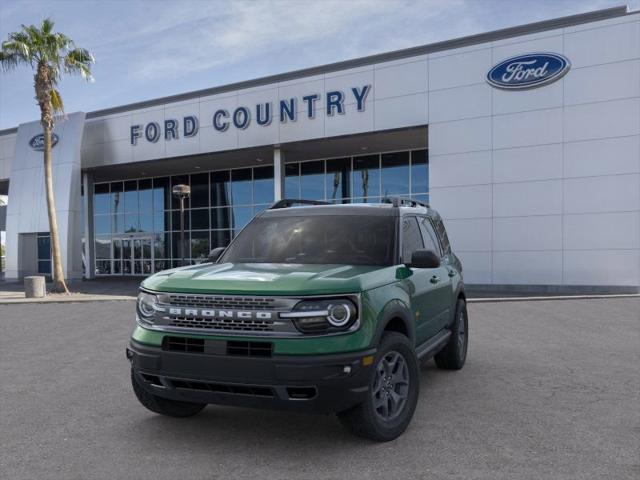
(442, 234)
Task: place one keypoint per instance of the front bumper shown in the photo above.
(303, 383)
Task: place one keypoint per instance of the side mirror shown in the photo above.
(214, 254)
(424, 259)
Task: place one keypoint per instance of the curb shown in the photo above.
(550, 298)
(103, 298)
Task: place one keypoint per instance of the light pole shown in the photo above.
(182, 192)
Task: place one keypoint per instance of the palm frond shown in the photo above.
(79, 61)
(56, 101)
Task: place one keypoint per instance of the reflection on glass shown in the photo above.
(103, 247)
(101, 198)
(395, 173)
(337, 179)
(146, 222)
(241, 186)
(419, 171)
(312, 180)
(44, 267)
(200, 190)
(116, 198)
(263, 185)
(131, 223)
(200, 219)
(366, 177)
(175, 220)
(102, 224)
(160, 242)
(241, 216)
(220, 238)
(220, 189)
(131, 203)
(292, 180)
(161, 221)
(220, 218)
(161, 194)
(145, 195)
(179, 180)
(117, 248)
(200, 244)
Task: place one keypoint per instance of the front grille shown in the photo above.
(183, 344)
(249, 349)
(254, 390)
(222, 302)
(229, 324)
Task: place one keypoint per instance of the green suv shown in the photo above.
(312, 308)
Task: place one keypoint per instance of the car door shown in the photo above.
(420, 284)
(443, 284)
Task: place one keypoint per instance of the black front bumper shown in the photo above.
(304, 383)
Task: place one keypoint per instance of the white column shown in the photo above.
(278, 174)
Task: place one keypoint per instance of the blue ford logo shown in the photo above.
(37, 142)
(528, 71)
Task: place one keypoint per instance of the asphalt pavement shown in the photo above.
(551, 390)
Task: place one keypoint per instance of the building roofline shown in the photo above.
(494, 35)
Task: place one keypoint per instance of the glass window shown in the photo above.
(117, 249)
(103, 267)
(411, 238)
(220, 189)
(44, 247)
(117, 223)
(179, 180)
(337, 179)
(220, 238)
(366, 177)
(364, 240)
(161, 245)
(220, 218)
(442, 234)
(146, 222)
(101, 199)
(395, 173)
(131, 203)
(161, 194)
(103, 247)
(429, 236)
(419, 171)
(241, 216)
(116, 198)
(145, 195)
(131, 222)
(200, 190)
(241, 186)
(175, 245)
(312, 180)
(200, 219)
(102, 224)
(292, 180)
(200, 245)
(175, 220)
(44, 266)
(161, 222)
(263, 185)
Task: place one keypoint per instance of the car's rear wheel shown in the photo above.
(164, 406)
(393, 392)
(454, 354)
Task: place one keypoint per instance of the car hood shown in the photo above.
(270, 279)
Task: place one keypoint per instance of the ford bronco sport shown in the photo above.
(312, 308)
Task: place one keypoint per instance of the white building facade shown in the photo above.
(526, 140)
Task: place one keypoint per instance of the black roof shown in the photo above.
(370, 209)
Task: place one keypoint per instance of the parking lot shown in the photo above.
(551, 389)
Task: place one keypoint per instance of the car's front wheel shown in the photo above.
(164, 406)
(393, 392)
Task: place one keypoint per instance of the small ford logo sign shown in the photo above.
(37, 142)
(528, 71)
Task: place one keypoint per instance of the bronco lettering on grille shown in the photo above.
(208, 313)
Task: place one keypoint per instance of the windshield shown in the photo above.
(317, 239)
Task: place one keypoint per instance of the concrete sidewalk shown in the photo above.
(81, 291)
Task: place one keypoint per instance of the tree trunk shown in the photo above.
(59, 284)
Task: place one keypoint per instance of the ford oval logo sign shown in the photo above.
(37, 142)
(528, 71)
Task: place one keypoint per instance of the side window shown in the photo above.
(411, 238)
(430, 239)
(442, 234)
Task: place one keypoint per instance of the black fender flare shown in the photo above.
(394, 309)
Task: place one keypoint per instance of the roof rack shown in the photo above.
(404, 202)
(290, 202)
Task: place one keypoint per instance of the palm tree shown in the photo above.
(50, 55)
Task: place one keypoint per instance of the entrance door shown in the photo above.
(133, 256)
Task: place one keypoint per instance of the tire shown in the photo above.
(454, 354)
(164, 406)
(368, 419)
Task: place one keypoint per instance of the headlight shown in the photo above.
(146, 305)
(323, 316)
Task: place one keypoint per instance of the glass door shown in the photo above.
(132, 256)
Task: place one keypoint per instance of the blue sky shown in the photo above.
(149, 49)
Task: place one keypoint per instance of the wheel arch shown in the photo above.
(396, 317)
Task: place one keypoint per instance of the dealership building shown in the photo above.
(526, 140)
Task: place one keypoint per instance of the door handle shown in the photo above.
(452, 273)
(435, 279)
